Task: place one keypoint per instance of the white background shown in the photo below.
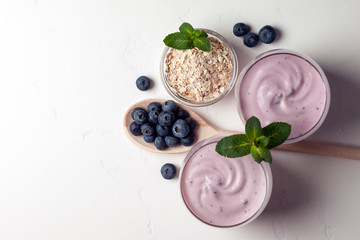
(67, 76)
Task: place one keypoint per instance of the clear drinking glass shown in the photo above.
(265, 170)
(307, 59)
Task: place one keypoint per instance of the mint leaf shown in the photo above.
(237, 145)
(253, 128)
(202, 43)
(261, 141)
(179, 41)
(196, 33)
(261, 153)
(256, 140)
(277, 133)
(186, 28)
(266, 155)
(188, 38)
(255, 153)
(203, 34)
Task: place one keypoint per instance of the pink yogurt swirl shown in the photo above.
(284, 87)
(222, 191)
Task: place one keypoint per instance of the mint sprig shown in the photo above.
(256, 141)
(188, 38)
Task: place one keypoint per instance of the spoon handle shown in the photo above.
(322, 148)
(313, 147)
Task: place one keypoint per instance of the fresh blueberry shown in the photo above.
(166, 118)
(147, 129)
(180, 128)
(149, 138)
(137, 108)
(153, 116)
(154, 106)
(160, 143)
(267, 34)
(143, 83)
(162, 131)
(169, 105)
(168, 171)
(240, 29)
(135, 129)
(251, 39)
(172, 141)
(140, 116)
(188, 140)
(192, 123)
(181, 113)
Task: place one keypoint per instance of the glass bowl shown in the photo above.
(224, 192)
(186, 101)
(277, 87)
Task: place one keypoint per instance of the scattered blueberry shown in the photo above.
(135, 129)
(147, 129)
(181, 113)
(140, 116)
(188, 140)
(240, 29)
(143, 83)
(153, 116)
(160, 143)
(162, 131)
(154, 106)
(169, 105)
(149, 138)
(192, 123)
(172, 141)
(267, 34)
(168, 171)
(180, 128)
(251, 39)
(166, 118)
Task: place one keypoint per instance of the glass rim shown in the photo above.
(267, 172)
(307, 59)
(228, 88)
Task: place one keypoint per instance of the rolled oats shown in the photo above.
(197, 75)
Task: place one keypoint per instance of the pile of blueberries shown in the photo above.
(166, 125)
(267, 34)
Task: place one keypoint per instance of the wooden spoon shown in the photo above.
(205, 130)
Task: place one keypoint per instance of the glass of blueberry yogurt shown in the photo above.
(284, 86)
(224, 192)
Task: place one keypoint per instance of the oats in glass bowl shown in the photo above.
(199, 78)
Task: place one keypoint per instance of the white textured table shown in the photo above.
(67, 75)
